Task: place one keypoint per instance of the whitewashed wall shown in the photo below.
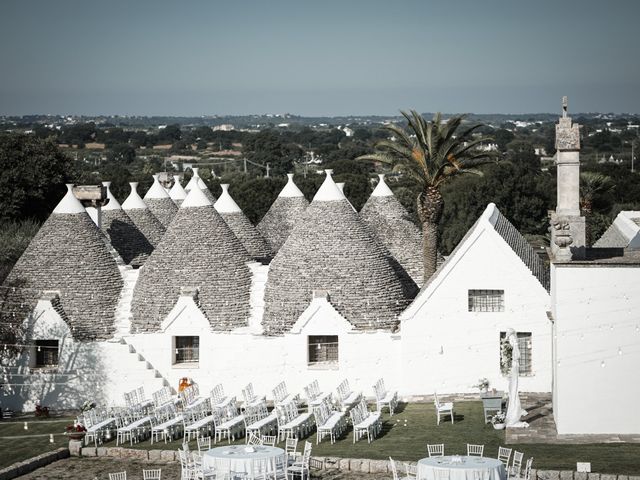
(87, 370)
(596, 309)
(235, 359)
(446, 348)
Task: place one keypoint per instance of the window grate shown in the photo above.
(46, 353)
(187, 349)
(486, 300)
(323, 349)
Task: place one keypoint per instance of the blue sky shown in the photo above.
(317, 58)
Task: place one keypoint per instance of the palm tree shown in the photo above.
(431, 153)
(592, 184)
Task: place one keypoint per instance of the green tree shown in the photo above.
(431, 153)
(33, 178)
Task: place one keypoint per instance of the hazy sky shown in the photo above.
(317, 58)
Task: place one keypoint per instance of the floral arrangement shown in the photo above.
(506, 354)
(75, 428)
(41, 410)
(498, 418)
(482, 385)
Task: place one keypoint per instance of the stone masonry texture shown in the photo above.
(331, 249)
(198, 251)
(68, 254)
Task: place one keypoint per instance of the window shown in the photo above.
(186, 350)
(323, 350)
(524, 344)
(486, 300)
(46, 353)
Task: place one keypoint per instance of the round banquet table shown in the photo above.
(236, 459)
(470, 468)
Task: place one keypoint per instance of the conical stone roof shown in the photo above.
(284, 213)
(160, 203)
(240, 225)
(130, 243)
(177, 193)
(390, 222)
(198, 251)
(332, 250)
(142, 217)
(196, 180)
(69, 255)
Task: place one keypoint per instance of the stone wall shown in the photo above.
(197, 251)
(33, 463)
(332, 250)
(68, 255)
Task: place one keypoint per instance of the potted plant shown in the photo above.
(498, 420)
(76, 431)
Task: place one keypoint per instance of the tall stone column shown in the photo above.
(568, 204)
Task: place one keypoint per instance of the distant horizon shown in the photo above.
(331, 58)
(296, 115)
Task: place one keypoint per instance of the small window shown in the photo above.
(486, 300)
(525, 347)
(323, 350)
(186, 350)
(46, 353)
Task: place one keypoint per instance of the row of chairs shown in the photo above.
(513, 465)
(147, 474)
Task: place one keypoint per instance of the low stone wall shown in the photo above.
(31, 464)
(361, 465)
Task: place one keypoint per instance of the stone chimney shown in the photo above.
(566, 220)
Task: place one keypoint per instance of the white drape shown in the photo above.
(514, 410)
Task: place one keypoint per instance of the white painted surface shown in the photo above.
(177, 193)
(382, 189)
(195, 180)
(156, 190)
(328, 191)
(195, 198)
(134, 200)
(113, 204)
(597, 348)
(226, 204)
(291, 189)
(446, 348)
(69, 203)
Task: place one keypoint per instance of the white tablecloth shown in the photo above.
(471, 468)
(236, 458)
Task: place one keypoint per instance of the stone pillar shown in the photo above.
(568, 166)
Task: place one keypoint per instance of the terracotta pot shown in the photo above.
(76, 435)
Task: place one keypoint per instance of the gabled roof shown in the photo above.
(160, 203)
(142, 217)
(240, 225)
(332, 250)
(624, 232)
(196, 180)
(198, 251)
(390, 222)
(69, 255)
(124, 236)
(284, 213)
(493, 221)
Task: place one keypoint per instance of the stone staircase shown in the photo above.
(259, 275)
(123, 308)
(129, 370)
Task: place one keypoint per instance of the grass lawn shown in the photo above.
(14, 446)
(399, 441)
